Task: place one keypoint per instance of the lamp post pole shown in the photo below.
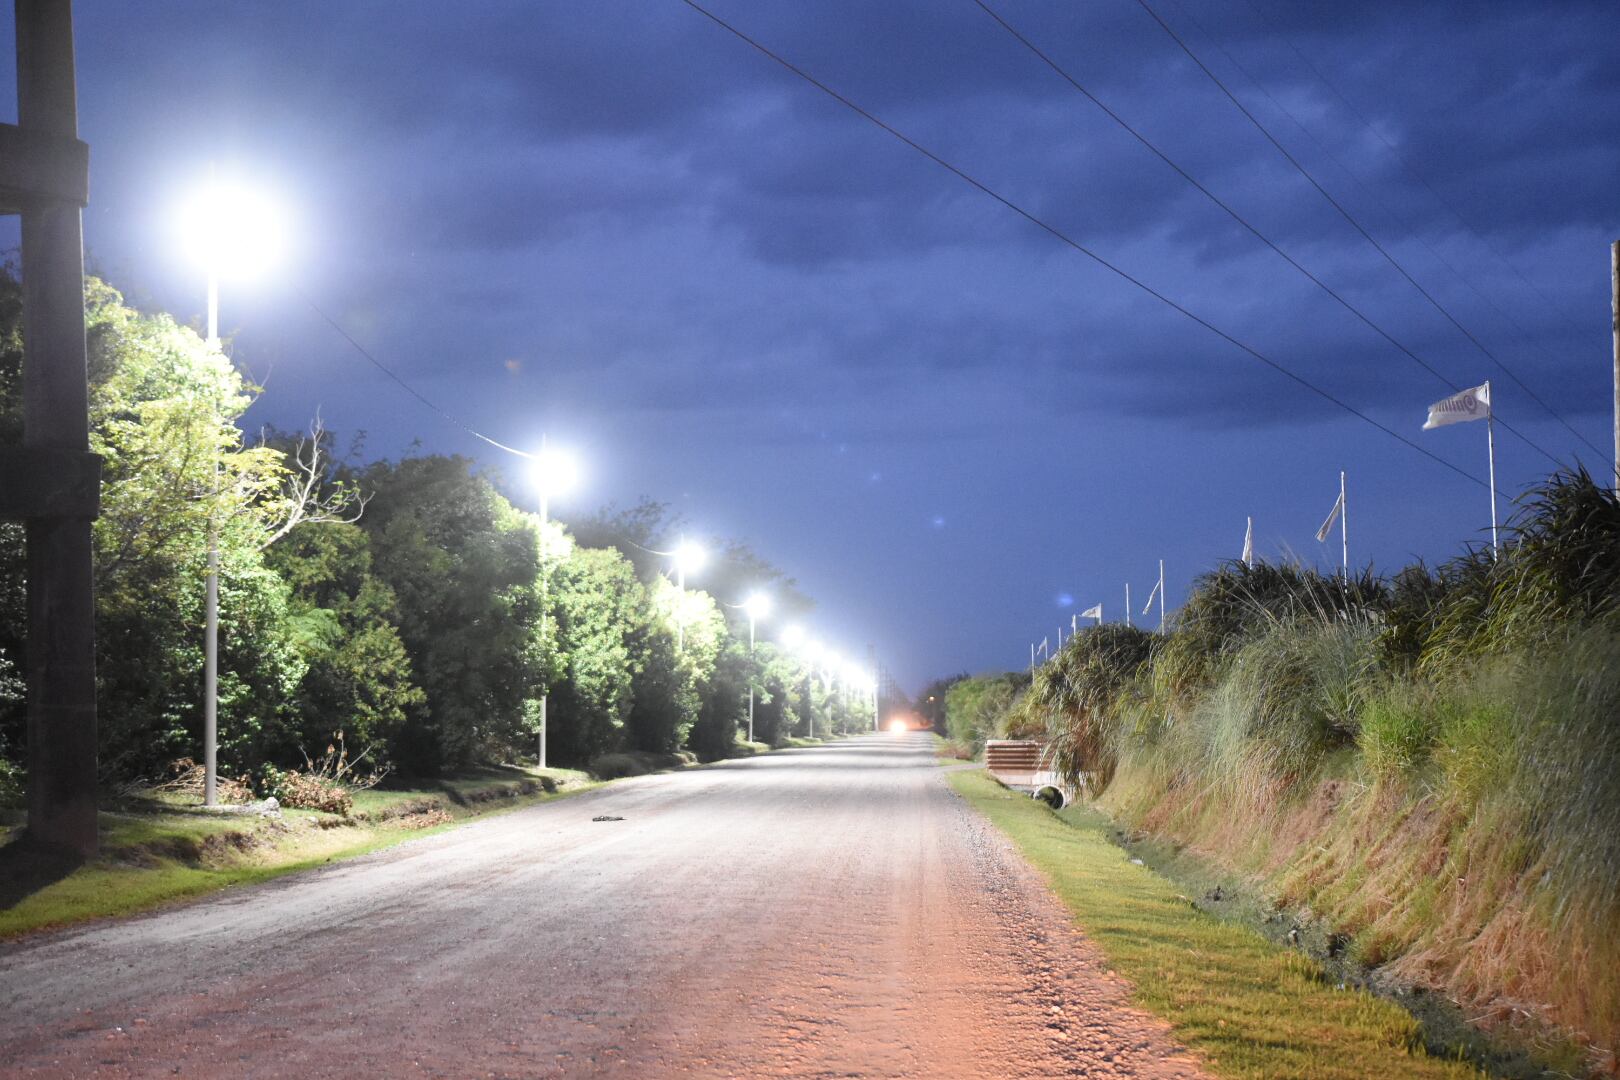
(750, 673)
(545, 594)
(211, 598)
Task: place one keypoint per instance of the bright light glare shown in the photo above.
(232, 230)
(690, 557)
(792, 636)
(898, 724)
(554, 472)
(758, 605)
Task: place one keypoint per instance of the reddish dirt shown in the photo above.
(832, 912)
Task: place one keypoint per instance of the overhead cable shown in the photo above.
(1069, 241)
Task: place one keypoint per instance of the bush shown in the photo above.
(11, 784)
(1291, 696)
(305, 791)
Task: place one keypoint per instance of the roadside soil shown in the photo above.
(829, 911)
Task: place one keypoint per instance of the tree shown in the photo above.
(462, 564)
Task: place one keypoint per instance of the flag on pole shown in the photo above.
(1046, 647)
(1332, 518)
(1248, 546)
(1473, 404)
(1093, 612)
(1147, 607)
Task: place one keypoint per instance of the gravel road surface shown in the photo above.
(828, 912)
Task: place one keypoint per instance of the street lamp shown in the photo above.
(757, 606)
(688, 556)
(554, 472)
(230, 230)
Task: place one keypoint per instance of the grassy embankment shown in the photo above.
(1427, 765)
(156, 851)
(1247, 1007)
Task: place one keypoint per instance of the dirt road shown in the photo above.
(831, 912)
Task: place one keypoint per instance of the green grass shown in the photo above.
(160, 854)
(1249, 1008)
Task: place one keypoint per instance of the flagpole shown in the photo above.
(1127, 603)
(1161, 596)
(1490, 447)
(1344, 529)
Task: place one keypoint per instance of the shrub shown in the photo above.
(1291, 696)
(1076, 693)
(306, 791)
(11, 784)
(1398, 729)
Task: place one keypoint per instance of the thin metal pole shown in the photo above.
(680, 597)
(1032, 657)
(1127, 603)
(750, 676)
(211, 599)
(1490, 448)
(1614, 309)
(545, 595)
(1344, 529)
(1161, 596)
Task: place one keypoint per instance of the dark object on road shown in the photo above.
(607, 817)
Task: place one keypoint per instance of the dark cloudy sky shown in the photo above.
(616, 223)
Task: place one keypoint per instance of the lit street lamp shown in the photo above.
(554, 472)
(229, 230)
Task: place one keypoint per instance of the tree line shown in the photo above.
(399, 602)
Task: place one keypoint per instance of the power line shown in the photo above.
(1399, 220)
(407, 387)
(1232, 213)
(1349, 217)
(1411, 170)
(1065, 239)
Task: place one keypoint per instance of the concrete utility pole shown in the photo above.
(52, 481)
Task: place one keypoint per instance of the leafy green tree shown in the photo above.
(462, 564)
(358, 677)
(164, 408)
(595, 600)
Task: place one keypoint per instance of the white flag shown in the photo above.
(1147, 607)
(1333, 516)
(1472, 404)
(1046, 647)
(1093, 612)
(1248, 545)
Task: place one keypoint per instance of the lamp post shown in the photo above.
(554, 472)
(229, 230)
(688, 556)
(757, 606)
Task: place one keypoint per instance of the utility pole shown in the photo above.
(52, 481)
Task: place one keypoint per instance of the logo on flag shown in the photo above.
(1472, 404)
(1332, 518)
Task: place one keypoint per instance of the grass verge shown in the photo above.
(154, 853)
(1247, 1007)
